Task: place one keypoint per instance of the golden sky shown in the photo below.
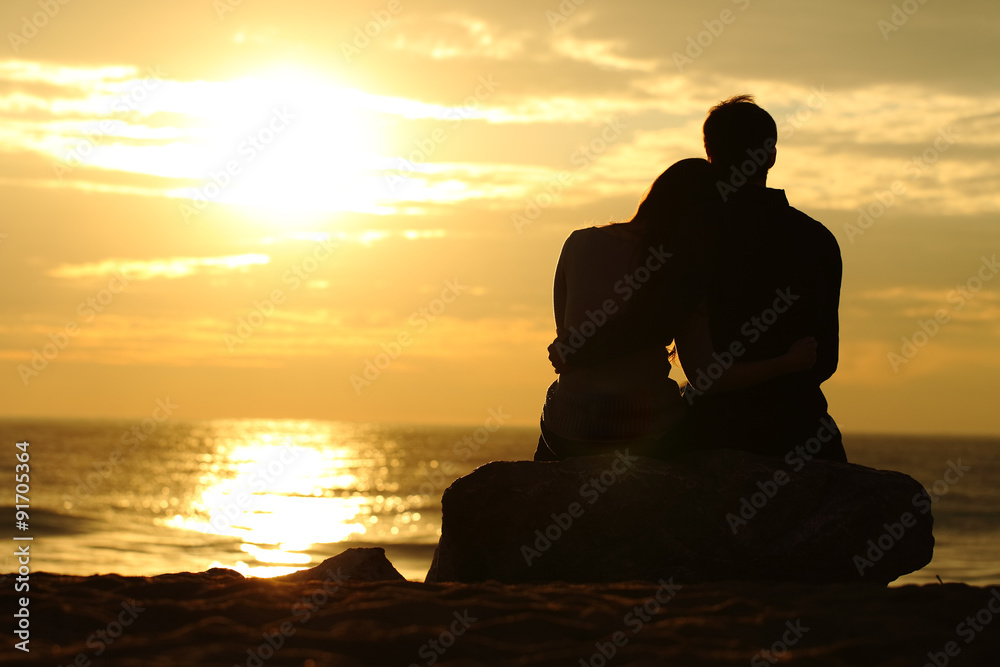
(307, 210)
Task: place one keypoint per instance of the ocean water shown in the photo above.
(269, 497)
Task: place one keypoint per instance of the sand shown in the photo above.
(220, 618)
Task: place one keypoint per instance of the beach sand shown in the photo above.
(220, 618)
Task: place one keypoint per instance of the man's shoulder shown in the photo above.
(770, 204)
(763, 217)
(813, 228)
(776, 202)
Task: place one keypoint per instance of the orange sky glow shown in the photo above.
(311, 211)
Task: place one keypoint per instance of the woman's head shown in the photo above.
(684, 184)
(679, 214)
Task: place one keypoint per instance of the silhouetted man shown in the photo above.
(776, 278)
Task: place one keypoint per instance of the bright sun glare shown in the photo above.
(287, 141)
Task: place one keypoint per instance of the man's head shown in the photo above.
(740, 134)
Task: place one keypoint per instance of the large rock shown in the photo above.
(356, 564)
(711, 516)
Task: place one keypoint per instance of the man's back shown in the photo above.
(777, 279)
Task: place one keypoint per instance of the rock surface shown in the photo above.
(712, 516)
(357, 564)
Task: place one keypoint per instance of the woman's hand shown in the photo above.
(556, 357)
(801, 356)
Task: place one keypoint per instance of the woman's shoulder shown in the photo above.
(606, 241)
(621, 231)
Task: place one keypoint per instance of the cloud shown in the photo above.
(457, 35)
(170, 268)
(840, 147)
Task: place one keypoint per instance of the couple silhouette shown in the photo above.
(719, 271)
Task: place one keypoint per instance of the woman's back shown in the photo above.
(600, 273)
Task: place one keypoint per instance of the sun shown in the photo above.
(292, 140)
(284, 140)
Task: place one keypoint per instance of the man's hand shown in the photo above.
(801, 356)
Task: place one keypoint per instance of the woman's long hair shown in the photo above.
(680, 213)
(675, 196)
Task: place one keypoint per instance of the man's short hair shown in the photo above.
(737, 131)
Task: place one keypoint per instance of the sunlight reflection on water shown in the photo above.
(282, 488)
(264, 497)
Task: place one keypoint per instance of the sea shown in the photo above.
(267, 498)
